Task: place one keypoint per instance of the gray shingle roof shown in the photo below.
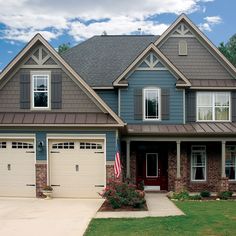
(101, 59)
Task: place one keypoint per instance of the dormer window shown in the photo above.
(183, 48)
(151, 103)
(40, 90)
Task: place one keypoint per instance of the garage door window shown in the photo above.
(3, 145)
(90, 146)
(20, 145)
(66, 145)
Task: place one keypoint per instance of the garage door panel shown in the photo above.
(17, 169)
(77, 171)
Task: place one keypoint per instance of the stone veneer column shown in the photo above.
(110, 173)
(41, 178)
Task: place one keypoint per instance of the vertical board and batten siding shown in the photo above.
(42, 136)
(143, 79)
(110, 97)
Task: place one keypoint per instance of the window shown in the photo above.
(67, 145)
(151, 104)
(3, 144)
(40, 91)
(20, 145)
(90, 146)
(230, 162)
(213, 106)
(198, 163)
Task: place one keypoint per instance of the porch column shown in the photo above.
(127, 159)
(178, 159)
(223, 175)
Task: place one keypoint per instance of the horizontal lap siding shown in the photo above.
(110, 97)
(42, 136)
(161, 79)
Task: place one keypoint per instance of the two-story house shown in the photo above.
(168, 101)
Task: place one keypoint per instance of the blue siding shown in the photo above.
(161, 79)
(41, 136)
(110, 97)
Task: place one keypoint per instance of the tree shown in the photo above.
(229, 49)
(63, 47)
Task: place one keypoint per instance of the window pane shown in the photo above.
(199, 173)
(40, 99)
(152, 164)
(221, 99)
(151, 104)
(198, 159)
(204, 99)
(40, 83)
(204, 113)
(222, 113)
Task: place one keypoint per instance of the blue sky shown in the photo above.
(75, 20)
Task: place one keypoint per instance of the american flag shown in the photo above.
(117, 166)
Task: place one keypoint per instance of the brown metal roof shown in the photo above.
(36, 118)
(213, 83)
(199, 129)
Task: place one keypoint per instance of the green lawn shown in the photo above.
(202, 218)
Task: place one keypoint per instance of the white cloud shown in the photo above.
(24, 18)
(9, 52)
(210, 21)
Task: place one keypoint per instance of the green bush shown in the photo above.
(225, 195)
(205, 193)
(184, 195)
(195, 197)
(120, 194)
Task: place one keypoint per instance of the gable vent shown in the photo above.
(183, 48)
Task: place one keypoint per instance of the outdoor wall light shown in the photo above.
(40, 146)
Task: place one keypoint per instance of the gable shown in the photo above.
(153, 59)
(203, 59)
(76, 95)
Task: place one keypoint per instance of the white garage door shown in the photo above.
(77, 168)
(17, 168)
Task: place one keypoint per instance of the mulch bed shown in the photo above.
(107, 207)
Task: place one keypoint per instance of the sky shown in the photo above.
(73, 21)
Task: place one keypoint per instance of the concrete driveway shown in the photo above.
(37, 217)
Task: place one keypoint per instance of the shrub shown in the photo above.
(47, 188)
(195, 197)
(205, 193)
(184, 195)
(120, 194)
(225, 195)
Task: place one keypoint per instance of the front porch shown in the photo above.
(174, 164)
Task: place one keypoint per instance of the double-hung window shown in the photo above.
(40, 91)
(213, 106)
(151, 103)
(230, 162)
(198, 163)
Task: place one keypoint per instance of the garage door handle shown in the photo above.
(29, 152)
(98, 152)
(54, 152)
(30, 185)
(99, 185)
(55, 185)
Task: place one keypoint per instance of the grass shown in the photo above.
(202, 218)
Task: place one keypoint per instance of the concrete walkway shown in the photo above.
(158, 206)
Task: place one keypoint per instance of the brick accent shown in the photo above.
(41, 178)
(223, 184)
(110, 175)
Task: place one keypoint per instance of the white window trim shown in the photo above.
(40, 73)
(153, 176)
(231, 180)
(213, 107)
(198, 180)
(159, 103)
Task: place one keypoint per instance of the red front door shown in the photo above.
(152, 170)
